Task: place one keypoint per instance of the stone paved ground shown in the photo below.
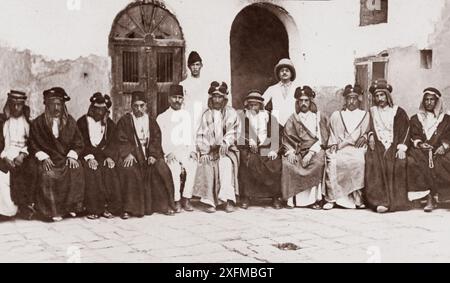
(243, 236)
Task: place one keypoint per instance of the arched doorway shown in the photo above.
(258, 41)
(146, 46)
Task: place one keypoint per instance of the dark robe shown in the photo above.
(386, 182)
(420, 176)
(23, 179)
(259, 176)
(102, 191)
(145, 189)
(297, 138)
(60, 190)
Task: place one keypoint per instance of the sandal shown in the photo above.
(328, 206)
(170, 212)
(316, 206)
(93, 217)
(125, 216)
(57, 219)
(107, 215)
(362, 206)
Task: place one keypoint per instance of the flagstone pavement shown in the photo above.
(252, 236)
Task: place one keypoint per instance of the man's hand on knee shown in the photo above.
(72, 163)
(48, 164)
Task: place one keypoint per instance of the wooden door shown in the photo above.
(166, 69)
(147, 51)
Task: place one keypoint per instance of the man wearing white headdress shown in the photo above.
(429, 157)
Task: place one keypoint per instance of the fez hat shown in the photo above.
(138, 96)
(349, 89)
(176, 90)
(193, 58)
(432, 90)
(285, 63)
(17, 95)
(304, 91)
(380, 85)
(100, 100)
(56, 92)
(218, 88)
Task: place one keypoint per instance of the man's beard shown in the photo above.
(16, 114)
(138, 114)
(352, 107)
(55, 115)
(254, 111)
(176, 106)
(382, 104)
(97, 118)
(430, 108)
(304, 108)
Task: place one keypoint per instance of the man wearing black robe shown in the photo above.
(386, 182)
(145, 178)
(259, 144)
(429, 156)
(102, 191)
(56, 142)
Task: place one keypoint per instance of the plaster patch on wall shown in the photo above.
(32, 73)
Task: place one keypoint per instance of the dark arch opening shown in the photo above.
(258, 40)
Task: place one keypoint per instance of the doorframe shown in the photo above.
(369, 61)
(121, 101)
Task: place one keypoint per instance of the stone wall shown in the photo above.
(31, 73)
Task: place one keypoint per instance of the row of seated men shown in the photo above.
(56, 167)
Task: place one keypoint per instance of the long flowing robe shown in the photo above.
(298, 139)
(386, 181)
(102, 189)
(195, 99)
(145, 189)
(259, 176)
(279, 99)
(177, 140)
(18, 184)
(420, 176)
(60, 190)
(217, 128)
(345, 168)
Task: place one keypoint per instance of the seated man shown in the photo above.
(216, 180)
(102, 192)
(17, 168)
(138, 138)
(305, 135)
(386, 178)
(178, 146)
(429, 157)
(56, 142)
(260, 166)
(345, 158)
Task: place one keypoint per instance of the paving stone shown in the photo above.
(244, 236)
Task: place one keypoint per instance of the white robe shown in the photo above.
(15, 132)
(283, 100)
(177, 139)
(195, 99)
(345, 167)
